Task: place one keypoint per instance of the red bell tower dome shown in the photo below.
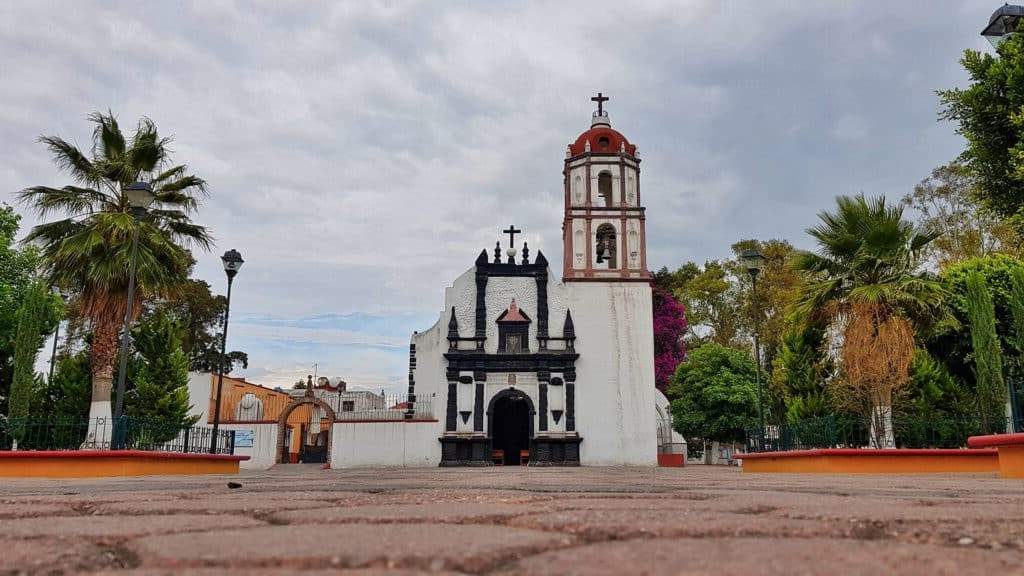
(603, 232)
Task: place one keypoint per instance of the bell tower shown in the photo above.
(603, 232)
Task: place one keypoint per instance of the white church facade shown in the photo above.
(524, 367)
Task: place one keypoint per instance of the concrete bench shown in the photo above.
(1011, 452)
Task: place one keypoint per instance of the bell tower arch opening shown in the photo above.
(606, 252)
(604, 188)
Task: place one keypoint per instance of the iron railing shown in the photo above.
(846, 432)
(109, 433)
(369, 406)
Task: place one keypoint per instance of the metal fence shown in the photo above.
(108, 433)
(845, 432)
(369, 406)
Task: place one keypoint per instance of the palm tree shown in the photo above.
(865, 283)
(88, 250)
(867, 254)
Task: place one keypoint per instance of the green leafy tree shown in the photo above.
(988, 358)
(160, 393)
(776, 290)
(934, 393)
(201, 314)
(32, 317)
(66, 396)
(937, 410)
(952, 344)
(711, 299)
(713, 394)
(799, 372)
(946, 203)
(17, 269)
(988, 113)
(88, 250)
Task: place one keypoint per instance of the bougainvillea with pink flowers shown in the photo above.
(669, 327)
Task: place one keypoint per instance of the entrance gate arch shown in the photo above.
(510, 416)
(282, 424)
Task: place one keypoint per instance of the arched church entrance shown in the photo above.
(510, 422)
(304, 431)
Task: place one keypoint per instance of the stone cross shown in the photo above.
(512, 235)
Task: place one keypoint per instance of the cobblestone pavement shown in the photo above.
(514, 521)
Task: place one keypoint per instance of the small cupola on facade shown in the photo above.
(603, 230)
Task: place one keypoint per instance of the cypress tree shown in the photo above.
(31, 321)
(988, 359)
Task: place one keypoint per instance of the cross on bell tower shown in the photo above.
(600, 99)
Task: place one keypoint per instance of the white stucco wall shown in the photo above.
(261, 455)
(400, 444)
(615, 394)
(199, 395)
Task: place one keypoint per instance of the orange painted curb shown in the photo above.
(871, 461)
(108, 463)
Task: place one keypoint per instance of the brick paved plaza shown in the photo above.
(697, 520)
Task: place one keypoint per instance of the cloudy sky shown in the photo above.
(361, 154)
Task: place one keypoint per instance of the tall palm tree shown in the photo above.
(88, 250)
(865, 282)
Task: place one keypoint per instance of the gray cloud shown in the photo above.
(361, 154)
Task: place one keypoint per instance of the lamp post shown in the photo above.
(139, 196)
(753, 261)
(1002, 23)
(232, 264)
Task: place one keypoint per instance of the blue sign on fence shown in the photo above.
(243, 439)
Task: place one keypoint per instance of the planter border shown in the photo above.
(873, 461)
(110, 463)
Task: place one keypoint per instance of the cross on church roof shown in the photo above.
(512, 235)
(600, 99)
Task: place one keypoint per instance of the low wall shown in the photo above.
(264, 444)
(872, 461)
(107, 463)
(1011, 452)
(404, 443)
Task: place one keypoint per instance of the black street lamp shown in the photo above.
(140, 196)
(1002, 23)
(753, 261)
(232, 260)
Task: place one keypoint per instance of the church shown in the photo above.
(526, 368)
